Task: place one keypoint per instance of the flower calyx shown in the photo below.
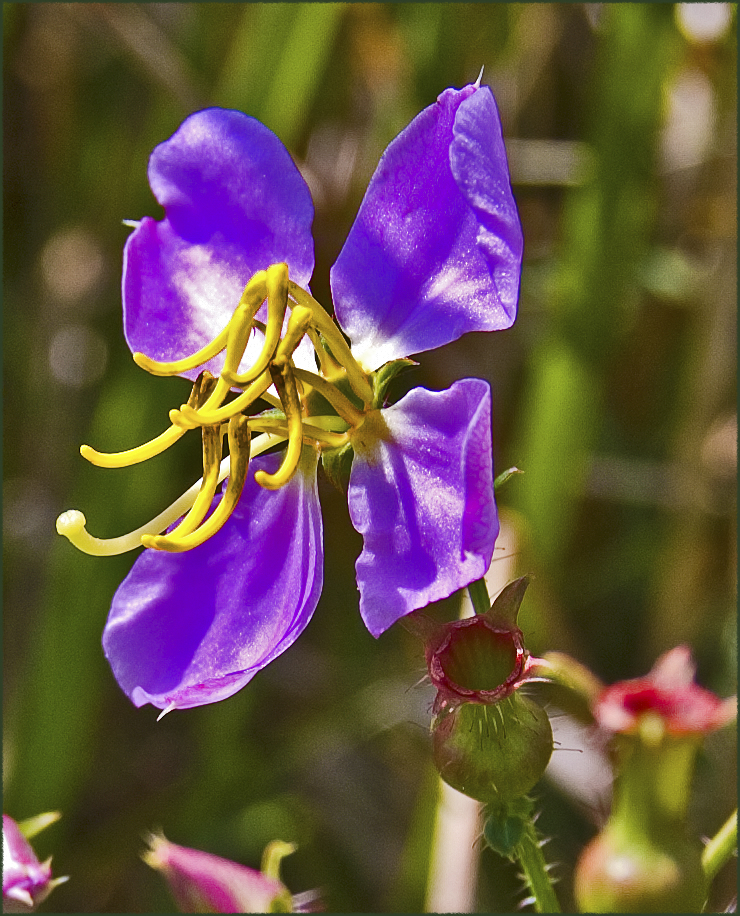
(489, 741)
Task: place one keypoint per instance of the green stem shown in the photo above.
(478, 592)
(719, 849)
(529, 854)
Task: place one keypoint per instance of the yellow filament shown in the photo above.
(212, 439)
(189, 418)
(189, 362)
(239, 452)
(282, 375)
(277, 303)
(71, 524)
(310, 432)
(343, 406)
(333, 440)
(202, 386)
(339, 347)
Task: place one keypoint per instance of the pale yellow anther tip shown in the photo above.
(71, 523)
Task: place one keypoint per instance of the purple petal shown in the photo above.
(195, 627)
(234, 203)
(436, 248)
(423, 502)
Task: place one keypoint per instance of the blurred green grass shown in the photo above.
(614, 392)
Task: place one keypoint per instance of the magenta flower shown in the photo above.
(645, 859)
(435, 252)
(667, 697)
(26, 881)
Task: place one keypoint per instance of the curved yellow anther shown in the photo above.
(189, 418)
(202, 387)
(212, 440)
(71, 524)
(277, 303)
(239, 437)
(133, 455)
(238, 331)
(189, 362)
(282, 375)
(298, 324)
(240, 326)
(338, 345)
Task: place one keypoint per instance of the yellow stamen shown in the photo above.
(240, 327)
(202, 387)
(239, 437)
(72, 523)
(338, 345)
(343, 406)
(188, 418)
(189, 362)
(212, 447)
(282, 375)
(277, 303)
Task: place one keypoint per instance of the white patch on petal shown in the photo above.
(210, 289)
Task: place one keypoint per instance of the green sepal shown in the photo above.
(34, 825)
(382, 378)
(507, 604)
(505, 824)
(337, 464)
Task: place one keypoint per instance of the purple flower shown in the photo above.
(26, 881)
(435, 252)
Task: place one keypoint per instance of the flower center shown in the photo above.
(292, 415)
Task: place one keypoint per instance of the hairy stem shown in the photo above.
(530, 857)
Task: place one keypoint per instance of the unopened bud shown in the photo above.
(204, 883)
(26, 881)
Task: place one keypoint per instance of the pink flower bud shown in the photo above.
(204, 883)
(26, 881)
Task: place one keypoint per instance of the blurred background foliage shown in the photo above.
(615, 393)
